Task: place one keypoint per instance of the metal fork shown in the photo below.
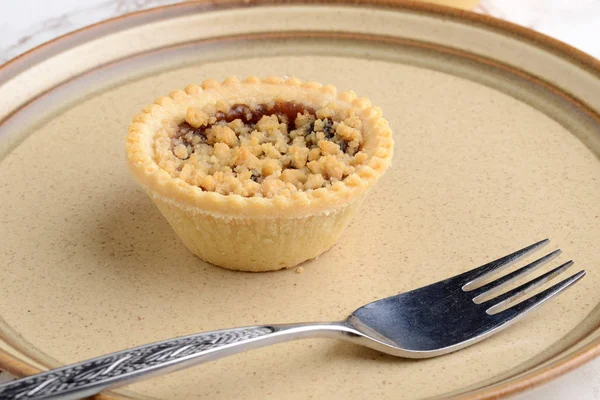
(430, 321)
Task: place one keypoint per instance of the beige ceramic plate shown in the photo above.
(497, 142)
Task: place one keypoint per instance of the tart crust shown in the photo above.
(256, 233)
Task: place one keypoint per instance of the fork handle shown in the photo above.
(123, 367)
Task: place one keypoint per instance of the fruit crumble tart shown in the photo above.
(259, 175)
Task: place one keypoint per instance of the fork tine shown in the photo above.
(485, 292)
(525, 288)
(525, 306)
(476, 275)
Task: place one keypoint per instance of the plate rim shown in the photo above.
(512, 386)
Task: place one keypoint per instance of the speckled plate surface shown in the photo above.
(497, 134)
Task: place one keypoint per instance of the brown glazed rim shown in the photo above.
(55, 46)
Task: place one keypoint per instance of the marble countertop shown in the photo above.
(574, 22)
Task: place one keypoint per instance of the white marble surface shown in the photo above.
(25, 24)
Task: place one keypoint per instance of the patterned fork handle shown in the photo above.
(92, 376)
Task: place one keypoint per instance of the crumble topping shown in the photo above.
(270, 149)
